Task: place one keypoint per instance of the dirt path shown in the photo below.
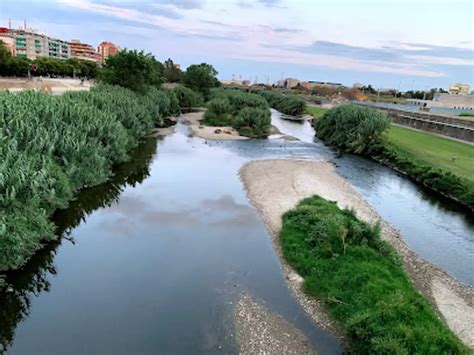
(275, 186)
(225, 133)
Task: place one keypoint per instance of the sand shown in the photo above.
(275, 186)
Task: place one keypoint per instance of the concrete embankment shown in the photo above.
(458, 128)
(275, 186)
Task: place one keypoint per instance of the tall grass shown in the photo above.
(361, 280)
(52, 146)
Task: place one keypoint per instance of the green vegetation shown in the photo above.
(361, 280)
(287, 104)
(359, 130)
(466, 114)
(10, 66)
(352, 128)
(445, 153)
(187, 98)
(253, 122)
(201, 78)
(316, 112)
(171, 72)
(246, 112)
(134, 70)
(53, 146)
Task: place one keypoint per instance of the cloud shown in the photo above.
(270, 3)
(287, 30)
(246, 40)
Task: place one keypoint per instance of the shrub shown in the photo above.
(352, 128)
(219, 106)
(187, 98)
(289, 105)
(361, 280)
(253, 122)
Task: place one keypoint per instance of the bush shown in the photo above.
(219, 106)
(187, 98)
(289, 105)
(253, 122)
(361, 280)
(352, 128)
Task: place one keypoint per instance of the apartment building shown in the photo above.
(28, 43)
(107, 49)
(84, 51)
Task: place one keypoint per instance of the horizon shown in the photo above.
(277, 38)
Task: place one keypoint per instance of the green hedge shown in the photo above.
(361, 280)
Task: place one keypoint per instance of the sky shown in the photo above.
(403, 44)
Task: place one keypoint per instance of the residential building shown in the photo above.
(7, 39)
(107, 49)
(84, 51)
(459, 88)
(28, 43)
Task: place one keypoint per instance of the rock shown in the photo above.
(227, 132)
(218, 131)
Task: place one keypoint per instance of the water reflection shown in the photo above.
(33, 278)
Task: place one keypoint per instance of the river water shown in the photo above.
(155, 260)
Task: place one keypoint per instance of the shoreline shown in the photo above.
(276, 186)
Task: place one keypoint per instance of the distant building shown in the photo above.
(461, 102)
(459, 88)
(357, 85)
(84, 51)
(28, 43)
(107, 49)
(288, 83)
(7, 40)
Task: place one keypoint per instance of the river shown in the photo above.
(156, 259)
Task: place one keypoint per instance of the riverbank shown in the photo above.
(276, 186)
(262, 332)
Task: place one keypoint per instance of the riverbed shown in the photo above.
(160, 258)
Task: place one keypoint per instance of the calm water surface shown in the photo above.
(155, 260)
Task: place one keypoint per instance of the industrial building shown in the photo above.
(442, 100)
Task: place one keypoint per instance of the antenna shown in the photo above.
(24, 24)
(10, 24)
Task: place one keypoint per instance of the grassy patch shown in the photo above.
(360, 278)
(440, 152)
(316, 112)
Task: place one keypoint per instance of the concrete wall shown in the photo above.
(443, 125)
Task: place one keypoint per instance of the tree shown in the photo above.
(132, 69)
(201, 78)
(171, 72)
(5, 59)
